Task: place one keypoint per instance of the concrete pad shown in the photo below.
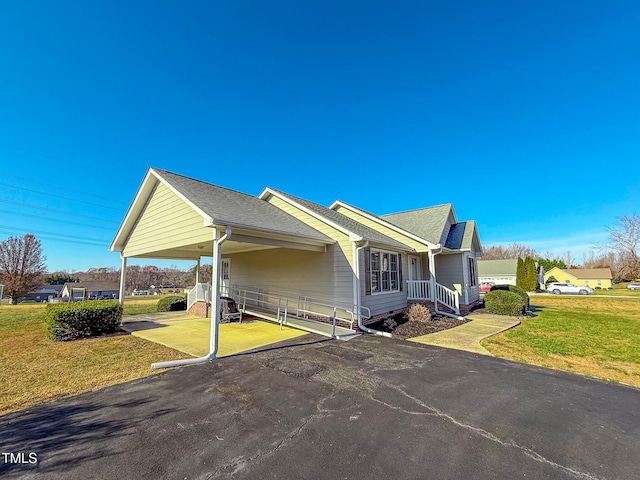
(190, 334)
(469, 335)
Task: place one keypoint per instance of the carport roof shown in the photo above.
(218, 206)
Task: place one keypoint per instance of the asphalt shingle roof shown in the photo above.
(347, 223)
(497, 267)
(428, 223)
(226, 206)
(589, 273)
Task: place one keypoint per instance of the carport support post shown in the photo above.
(198, 272)
(215, 292)
(123, 279)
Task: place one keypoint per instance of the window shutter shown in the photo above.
(367, 270)
(400, 270)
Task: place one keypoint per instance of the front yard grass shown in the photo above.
(36, 369)
(593, 336)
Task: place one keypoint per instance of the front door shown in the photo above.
(225, 277)
(415, 268)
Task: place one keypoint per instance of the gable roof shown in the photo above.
(428, 223)
(497, 267)
(588, 273)
(94, 286)
(345, 223)
(218, 206)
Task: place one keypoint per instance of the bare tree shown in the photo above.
(624, 241)
(22, 266)
(513, 251)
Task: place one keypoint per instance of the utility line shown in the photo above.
(60, 196)
(54, 210)
(43, 232)
(40, 217)
(60, 188)
(79, 242)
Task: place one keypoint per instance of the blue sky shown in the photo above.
(524, 115)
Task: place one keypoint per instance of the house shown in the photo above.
(90, 290)
(280, 255)
(500, 272)
(46, 293)
(588, 277)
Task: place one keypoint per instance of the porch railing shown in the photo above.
(201, 292)
(422, 290)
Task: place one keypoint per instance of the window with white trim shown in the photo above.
(473, 277)
(385, 272)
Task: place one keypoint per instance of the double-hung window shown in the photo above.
(385, 271)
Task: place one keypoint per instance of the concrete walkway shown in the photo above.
(468, 335)
(190, 334)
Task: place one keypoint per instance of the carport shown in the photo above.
(178, 218)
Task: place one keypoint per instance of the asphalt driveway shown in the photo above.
(368, 408)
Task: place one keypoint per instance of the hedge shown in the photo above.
(171, 303)
(513, 289)
(504, 302)
(70, 321)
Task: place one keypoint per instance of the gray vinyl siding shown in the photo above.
(388, 301)
(322, 276)
(449, 271)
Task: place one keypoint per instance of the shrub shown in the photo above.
(504, 302)
(516, 290)
(172, 303)
(598, 288)
(419, 313)
(70, 321)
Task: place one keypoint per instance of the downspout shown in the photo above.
(432, 258)
(215, 312)
(357, 291)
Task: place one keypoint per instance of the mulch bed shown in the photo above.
(406, 329)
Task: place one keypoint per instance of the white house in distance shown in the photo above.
(280, 256)
(503, 272)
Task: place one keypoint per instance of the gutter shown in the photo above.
(215, 316)
(358, 293)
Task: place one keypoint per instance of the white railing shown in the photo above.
(289, 305)
(448, 297)
(422, 290)
(200, 293)
(419, 290)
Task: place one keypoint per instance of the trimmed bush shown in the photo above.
(503, 302)
(171, 303)
(516, 290)
(419, 313)
(70, 321)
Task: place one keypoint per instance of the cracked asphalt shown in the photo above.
(319, 409)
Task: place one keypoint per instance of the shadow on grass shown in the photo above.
(63, 435)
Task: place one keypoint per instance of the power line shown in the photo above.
(40, 217)
(60, 196)
(43, 232)
(58, 211)
(79, 242)
(61, 188)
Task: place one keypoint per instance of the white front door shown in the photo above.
(415, 268)
(225, 277)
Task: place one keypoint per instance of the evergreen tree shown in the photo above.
(531, 276)
(521, 274)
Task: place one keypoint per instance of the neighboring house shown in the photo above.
(589, 277)
(75, 291)
(500, 272)
(276, 249)
(46, 293)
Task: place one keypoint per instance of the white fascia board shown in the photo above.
(352, 236)
(205, 217)
(430, 246)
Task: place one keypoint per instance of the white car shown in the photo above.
(633, 286)
(558, 288)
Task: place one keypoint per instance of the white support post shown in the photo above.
(123, 279)
(198, 271)
(432, 275)
(215, 294)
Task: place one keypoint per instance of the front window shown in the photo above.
(384, 272)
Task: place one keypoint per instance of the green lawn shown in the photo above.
(593, 336)
(37, 370)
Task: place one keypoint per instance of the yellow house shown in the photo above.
(587, 277)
